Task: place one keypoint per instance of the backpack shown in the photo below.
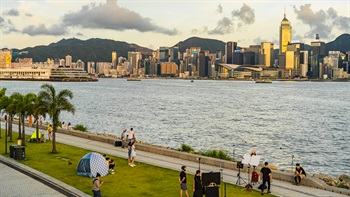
(255, 177)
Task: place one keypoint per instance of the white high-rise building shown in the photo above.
(68, 61)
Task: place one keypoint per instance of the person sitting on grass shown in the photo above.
(299, 174)
(111, 166)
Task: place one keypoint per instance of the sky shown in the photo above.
(155, 23)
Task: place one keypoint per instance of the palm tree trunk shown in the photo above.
(54, 139)
(19, 129)
(23, 134)
(10, 128)
(37, 131)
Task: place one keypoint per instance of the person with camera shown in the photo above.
(96, 184)
(197, 185)
(266, 176)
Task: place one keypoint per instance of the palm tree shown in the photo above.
(39, 110)
(16, 106)
(24, 107)
(54, 105)
(10, 110)
(2, 95)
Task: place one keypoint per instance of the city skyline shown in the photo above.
(154, 24)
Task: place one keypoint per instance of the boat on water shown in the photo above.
(263, 81)
(133, 79)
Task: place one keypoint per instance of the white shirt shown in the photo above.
(131, 134)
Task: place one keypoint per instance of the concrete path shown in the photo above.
(19, 180)
(278, 188)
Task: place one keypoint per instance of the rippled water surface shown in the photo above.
(309, 120)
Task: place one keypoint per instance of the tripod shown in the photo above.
(239, 176)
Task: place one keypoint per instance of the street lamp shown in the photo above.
(199, 163)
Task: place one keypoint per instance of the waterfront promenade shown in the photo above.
(278, 188)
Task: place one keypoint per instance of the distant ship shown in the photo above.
(133, 79)
(263, 81)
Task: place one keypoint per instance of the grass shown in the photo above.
(143, 180)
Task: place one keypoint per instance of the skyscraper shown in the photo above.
(230, 47)
(114, 59)
(266, 54)
(68, 61)
(285, 34)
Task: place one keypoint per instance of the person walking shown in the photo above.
(30, 120)
(96, 185)
(130, 144)
(183, 181)
(123, 138)
(131, 135)
(133, 154)
(266, 176)
(299, 174)
(197, 185)
(49, 130)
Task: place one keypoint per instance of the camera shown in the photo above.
(239, 165)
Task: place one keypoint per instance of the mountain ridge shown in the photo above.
(100, 50)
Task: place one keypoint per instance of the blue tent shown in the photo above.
(91, 164)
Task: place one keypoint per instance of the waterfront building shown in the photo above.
(174, 54)
(164, 55)
(230, 47)
(114, 59)
(317, 54)
(249, 58)
(293, 58)
(237, 57)
(285, 34)
(62, 63)
(204, 63)
(256, 49)
(69, 61)
(133, 58)
(304, 63)
(168, 69)
(266, 54)
(5, 58)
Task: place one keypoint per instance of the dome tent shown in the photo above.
(91, 164)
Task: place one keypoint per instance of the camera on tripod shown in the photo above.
(239, 165)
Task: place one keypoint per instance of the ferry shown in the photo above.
(263, 81)
(133, 79)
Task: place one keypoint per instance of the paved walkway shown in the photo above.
(278, 188)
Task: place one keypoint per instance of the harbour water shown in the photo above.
(309, 120)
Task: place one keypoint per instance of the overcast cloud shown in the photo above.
(54, 30)
(245, 14)
(219, 9)
(321, 22)
(12, 12)
(111, 16)
(224, 26)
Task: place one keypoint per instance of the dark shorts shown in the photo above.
(96, 193)
(129, 153)
(183, 186)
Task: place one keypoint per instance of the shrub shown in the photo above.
(80, 127)
(221, 154)
(186, 148)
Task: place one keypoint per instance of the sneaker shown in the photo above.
(129, 164)
(262, 193)
(269, 192)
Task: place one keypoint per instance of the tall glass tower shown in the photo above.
(285, 34)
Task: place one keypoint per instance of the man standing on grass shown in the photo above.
(266, 176)
(96, 184)
(183, 180)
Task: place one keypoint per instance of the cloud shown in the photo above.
(80, 34)
(111, 16)
(29, 15)
(202, 30)
(224, 26)
(219, 9)
(259, 40)
(12, 12)
(1, 20)
(246, 15)
(54, 30)
(321, 22)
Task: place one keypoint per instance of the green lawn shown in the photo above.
(143, 180)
